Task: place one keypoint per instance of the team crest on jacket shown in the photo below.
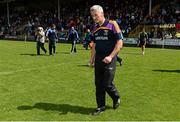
(105, 32)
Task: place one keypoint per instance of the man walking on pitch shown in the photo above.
(143, 37)
(52, 36)
(73, 37)
(107, 38)
(40, 38)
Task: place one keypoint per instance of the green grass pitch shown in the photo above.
(61, 87)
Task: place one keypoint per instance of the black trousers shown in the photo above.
(104, 80)
(142, 42)
(73, 48)
(119, 59)
(40, 45)
(52, 47)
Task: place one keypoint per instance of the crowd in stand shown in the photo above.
(128, 15)
(168, 13)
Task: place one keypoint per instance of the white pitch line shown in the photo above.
(31, 69)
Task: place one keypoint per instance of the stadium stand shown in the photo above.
(26, 16)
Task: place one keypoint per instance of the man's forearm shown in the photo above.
(93, 52)
(117, 48)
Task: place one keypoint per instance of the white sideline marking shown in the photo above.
(31, 69)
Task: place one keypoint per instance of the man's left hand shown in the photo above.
(107, 59)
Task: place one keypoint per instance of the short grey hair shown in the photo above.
(96, 8)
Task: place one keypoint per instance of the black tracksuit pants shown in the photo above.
(119, 59)
(52, 47)
(73, 48)
(104, 80)
(40, 45)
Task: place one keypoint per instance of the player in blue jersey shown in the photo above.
(108, 41)
(73, 37)
(52, 36)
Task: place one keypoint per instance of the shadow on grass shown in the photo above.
(132, 53)
(84, 65)
(62, 108)
(65, 52)
(34, 54)
(175, 71)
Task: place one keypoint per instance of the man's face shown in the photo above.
(97, 16)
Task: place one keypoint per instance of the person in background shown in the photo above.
(73, 37)
(87, 39)
(143, 37)
(52, 36)
(40, 38)
(119, 60)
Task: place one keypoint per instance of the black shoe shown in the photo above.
(98, 111)
(116, 103)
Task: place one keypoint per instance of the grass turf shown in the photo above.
(61, 87)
